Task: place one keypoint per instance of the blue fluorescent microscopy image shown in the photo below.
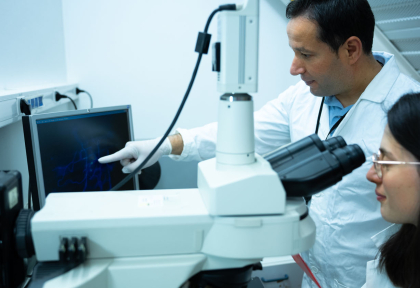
(71, 146)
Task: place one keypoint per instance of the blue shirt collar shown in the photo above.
(335, 110)
(332, 101)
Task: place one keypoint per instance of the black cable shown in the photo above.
(78, 91)
(29, 195)
(72, 101)
(132, 174)
(59, 96)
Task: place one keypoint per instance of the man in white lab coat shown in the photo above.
(344, 91)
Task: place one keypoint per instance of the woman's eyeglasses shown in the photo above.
(378, 163)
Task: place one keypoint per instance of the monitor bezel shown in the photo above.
(35, 141)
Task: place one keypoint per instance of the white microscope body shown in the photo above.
(161, 238)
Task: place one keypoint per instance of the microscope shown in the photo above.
(246, 207)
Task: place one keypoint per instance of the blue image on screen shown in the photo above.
(71, 146)
(94, 176)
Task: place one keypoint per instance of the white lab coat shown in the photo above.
(374, 277)
(347, 214)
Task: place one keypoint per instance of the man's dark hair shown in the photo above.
(337, 20)
(400, 255)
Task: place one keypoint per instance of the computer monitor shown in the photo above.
(63, 149)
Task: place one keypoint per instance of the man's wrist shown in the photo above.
(177, 144)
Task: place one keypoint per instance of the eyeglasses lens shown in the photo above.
(377, 166)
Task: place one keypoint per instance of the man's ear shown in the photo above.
(353, 49)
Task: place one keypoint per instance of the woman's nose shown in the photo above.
(372, 176)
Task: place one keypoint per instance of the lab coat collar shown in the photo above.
(385, 234)
(384, 79)
(379, 87)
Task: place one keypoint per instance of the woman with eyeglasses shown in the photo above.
(396, 173)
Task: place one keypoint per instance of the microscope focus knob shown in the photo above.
(23, 236)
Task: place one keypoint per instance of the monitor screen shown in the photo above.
(66, 147)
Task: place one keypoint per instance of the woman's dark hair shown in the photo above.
(337, 20)
(400, 255)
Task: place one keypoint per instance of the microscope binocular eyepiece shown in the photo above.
(350, 157)
(334, 143)
(310, 165)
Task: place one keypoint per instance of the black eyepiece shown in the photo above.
(334, 143)
(350, 157)
(310, 165)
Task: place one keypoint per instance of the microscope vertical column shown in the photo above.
(235, 136)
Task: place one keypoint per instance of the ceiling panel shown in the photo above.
(399, 20)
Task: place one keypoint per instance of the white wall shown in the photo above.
(31, 44)
(142, 53)
(31, 54)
